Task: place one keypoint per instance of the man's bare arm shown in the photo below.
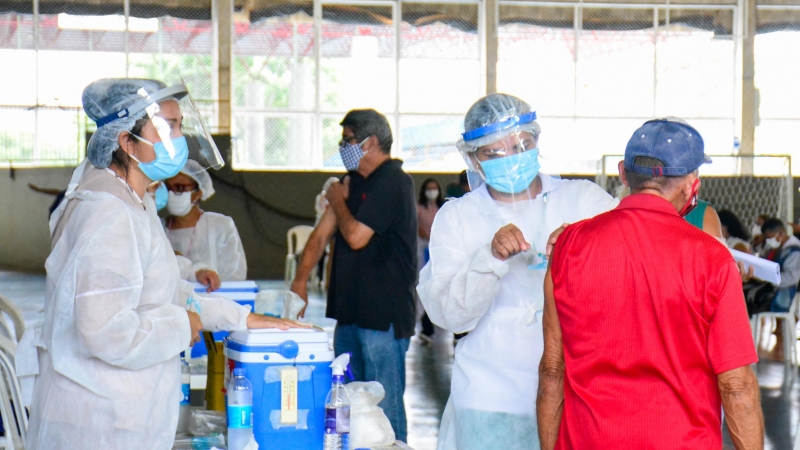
(313, 251)
(741, 400)
(550, 400)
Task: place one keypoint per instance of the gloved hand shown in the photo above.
(300, 288)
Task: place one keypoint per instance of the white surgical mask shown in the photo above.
(179, 204)
(772, 243)
(756, 230)
(432, 194)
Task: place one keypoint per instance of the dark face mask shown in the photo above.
(692, 203)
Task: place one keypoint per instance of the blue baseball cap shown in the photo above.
(670, 140)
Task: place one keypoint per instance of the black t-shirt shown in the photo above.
(374, 287)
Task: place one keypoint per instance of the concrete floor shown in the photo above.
(429, 367)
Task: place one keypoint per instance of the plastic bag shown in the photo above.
(284, 304)
(369, 426)
(214, 441)
(205, 422)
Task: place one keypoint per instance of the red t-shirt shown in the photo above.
(651, 310)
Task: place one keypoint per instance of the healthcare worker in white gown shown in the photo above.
(498, 296)
(105, 362)
(207, 240)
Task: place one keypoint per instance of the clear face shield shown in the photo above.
(179, 126)
(505, 157)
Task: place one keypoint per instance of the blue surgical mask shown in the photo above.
(164, 166)
(351, 155)
(162, 195)
(512, 174)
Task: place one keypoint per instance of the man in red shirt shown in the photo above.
(645, 325)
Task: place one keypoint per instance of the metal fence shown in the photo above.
(593, 71)
(56, 53)
(596, 72)
(776, 73)
(414, 62)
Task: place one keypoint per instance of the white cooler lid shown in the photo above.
(274, 336)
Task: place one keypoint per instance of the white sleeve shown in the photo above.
(457, 289)
(189, 270)
(216, 313)
(231, 261)
(594, 200)
(108, 289)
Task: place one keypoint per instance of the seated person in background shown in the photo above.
(208, 240)
(784, 249)
(758, 238)
(736, 236)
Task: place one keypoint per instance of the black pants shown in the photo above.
(427, 325)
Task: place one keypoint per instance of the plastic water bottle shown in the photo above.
(240, 410)
(337, 409)
(184, 414)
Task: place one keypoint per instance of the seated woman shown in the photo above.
(208, 240)
(736, 236)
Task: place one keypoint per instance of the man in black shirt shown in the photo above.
(372, 220)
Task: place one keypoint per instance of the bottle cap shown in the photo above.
(239, 372)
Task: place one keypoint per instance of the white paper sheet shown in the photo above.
(762, 268)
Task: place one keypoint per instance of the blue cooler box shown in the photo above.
(264, 353)
(242, 292)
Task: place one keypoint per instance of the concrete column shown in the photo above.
(749, 102)
(492, 11)
(222, 19)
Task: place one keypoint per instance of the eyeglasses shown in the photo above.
(181, 188)
(351, 140)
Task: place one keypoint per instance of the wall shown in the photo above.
(264, 205)
(24, 231)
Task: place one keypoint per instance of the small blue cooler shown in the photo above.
(270, 354)
(242, 292)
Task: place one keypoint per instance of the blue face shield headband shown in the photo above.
(499, 126)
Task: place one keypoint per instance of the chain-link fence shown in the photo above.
(56, 53)
(769, 191)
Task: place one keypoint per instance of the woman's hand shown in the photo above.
(508, 241)
(196, 326)
(208, 277)
(255, 321)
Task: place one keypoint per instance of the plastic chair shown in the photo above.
(14, 415)
(296, 238)
(797, 439)
(789, 331)
(14, 313)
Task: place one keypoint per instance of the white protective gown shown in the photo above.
(464, 288)
(212, 243)
(105, 360)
